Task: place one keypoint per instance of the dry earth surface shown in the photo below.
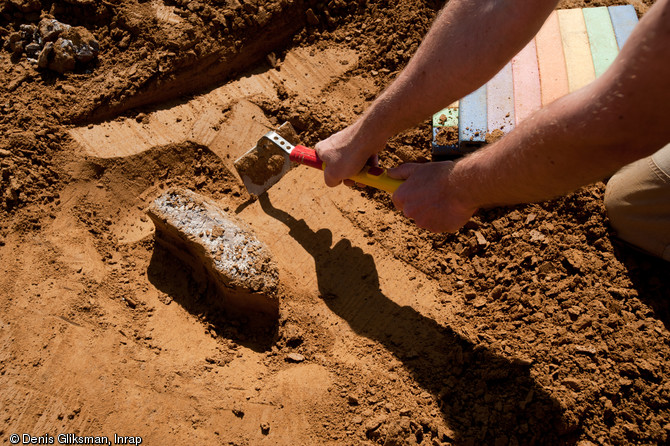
(532, 325)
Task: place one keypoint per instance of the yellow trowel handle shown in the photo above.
(377, 178)
(370, 175)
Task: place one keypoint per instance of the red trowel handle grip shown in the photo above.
(370, 176)
(305, 155)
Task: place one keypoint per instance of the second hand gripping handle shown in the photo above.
(370, 175)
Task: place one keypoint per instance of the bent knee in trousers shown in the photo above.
(638, 203)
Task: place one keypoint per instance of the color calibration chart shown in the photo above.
(573, 47)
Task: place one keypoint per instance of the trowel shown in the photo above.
(278, 151)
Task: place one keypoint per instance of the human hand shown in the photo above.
(429, 197)
(346, 152)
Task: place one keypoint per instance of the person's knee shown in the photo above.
(615, 200)
(637, 200)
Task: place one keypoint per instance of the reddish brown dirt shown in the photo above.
(531, 325)
(447, 136)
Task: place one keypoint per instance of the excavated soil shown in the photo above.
(531, 325)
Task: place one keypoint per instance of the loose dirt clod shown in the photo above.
(447, 136)
(266, 163)
(218, 246)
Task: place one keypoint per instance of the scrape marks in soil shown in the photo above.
(224, 120)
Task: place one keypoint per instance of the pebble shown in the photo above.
(585, 349)
(573, 383)
(479, 302)
(295, 357)
(265, 428)
(50, 29)
(312, 19)
(481, 240)
(373, 423)
(536, 236)
(497, 292)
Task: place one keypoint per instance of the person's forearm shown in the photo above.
(469, 42)
(585, 136)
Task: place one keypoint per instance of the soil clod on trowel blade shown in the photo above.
(266, 163)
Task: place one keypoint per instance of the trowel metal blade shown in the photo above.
(252, 179)
(266, 163)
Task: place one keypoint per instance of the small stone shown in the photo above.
(536, 236)
(51, 29)
(14, 43)
(481, 241)
(86, 48)
(312, 19)
(479, 302)
(239, 413)
(573, 383)
(130, 301)
(373, 423)
(295, 357)
(43, 58)
(585, 350)
(497, 292)
(62, 57)
(272, 59)
(33, 50)
(524, 361)
(265, 428)
(352, 400)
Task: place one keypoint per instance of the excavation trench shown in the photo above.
(181, 73)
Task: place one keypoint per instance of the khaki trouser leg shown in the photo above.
(638, 203)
